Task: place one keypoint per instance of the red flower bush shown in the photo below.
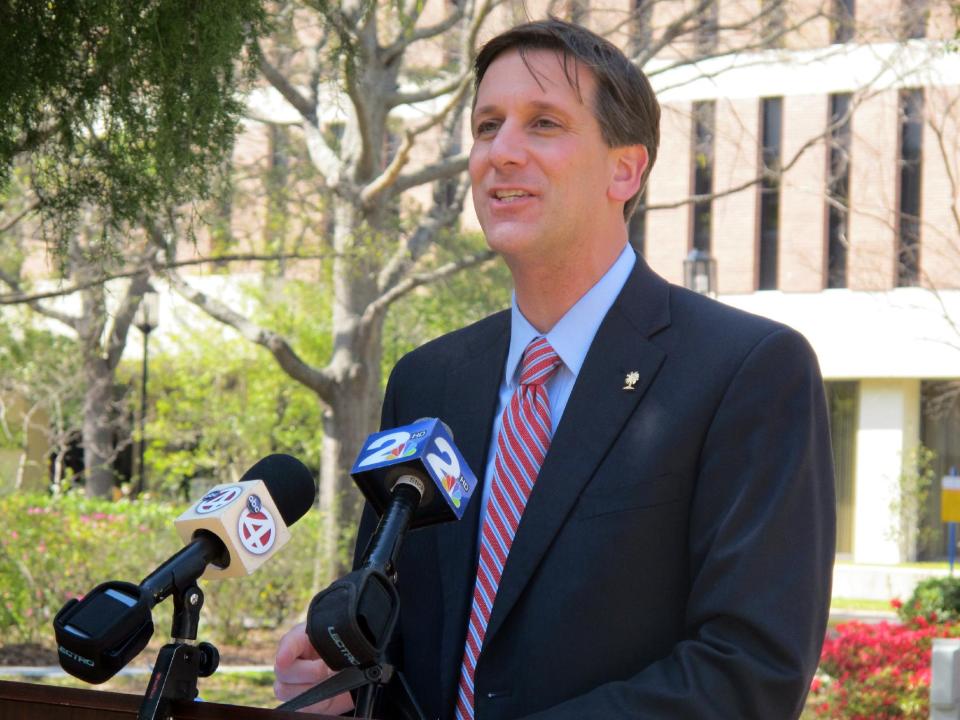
(877, 671)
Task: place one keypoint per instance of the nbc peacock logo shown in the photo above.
(453, 489)
(402, 450)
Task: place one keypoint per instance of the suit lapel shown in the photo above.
(470, 403)
(595, 414)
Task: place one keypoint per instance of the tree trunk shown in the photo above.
(353, 410)
(346, 424)
(98, 440)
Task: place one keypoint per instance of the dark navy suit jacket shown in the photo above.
(674, 559)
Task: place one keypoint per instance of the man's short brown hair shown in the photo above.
(625, 105)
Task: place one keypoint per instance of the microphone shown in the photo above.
(421, 455)
(230, 531)
(412, 476)
(249, 518)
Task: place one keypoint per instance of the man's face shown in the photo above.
(539, 165)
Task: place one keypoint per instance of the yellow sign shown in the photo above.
(950, 499)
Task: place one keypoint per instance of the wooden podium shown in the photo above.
(26, 701)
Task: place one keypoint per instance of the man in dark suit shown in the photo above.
(655, 535)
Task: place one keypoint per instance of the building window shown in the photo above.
(842, 20)
(637, 227)
(842, 401)
(771, 110)
(908, 221)
(938, 455)
(838, 191)
(703, 138)
(913, 18)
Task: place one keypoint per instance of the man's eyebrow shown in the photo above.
(536, 104)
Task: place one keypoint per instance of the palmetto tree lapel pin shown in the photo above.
(630, 381)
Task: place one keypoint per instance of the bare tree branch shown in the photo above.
(320, 151)
(407, 38)
(14, 284)
(322, 155)
(20, 216)
(376, 78)
(448, 167)
(391, 174)
(19, 298)
(375, 309)
(946, 155)
(674, 30)
(441, 215)
(317, 380)
(286, 88)
(811, 142)
(33, 139)
(482, 9)
(123, 317)
(332, 13)
(412, 9)
(430, 92)
(762, 57)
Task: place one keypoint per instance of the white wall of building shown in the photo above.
(889, 428)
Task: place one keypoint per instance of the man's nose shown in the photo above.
(509, 146)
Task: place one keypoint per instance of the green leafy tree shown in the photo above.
(220, 404)
(125, 107)
(110, 114)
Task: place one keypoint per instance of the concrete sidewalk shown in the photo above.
(879, 582)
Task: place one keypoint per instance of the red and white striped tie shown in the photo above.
(521, 446)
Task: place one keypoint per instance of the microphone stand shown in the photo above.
(376, 680)
(180, 663)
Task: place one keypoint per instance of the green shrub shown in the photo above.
(55, 549)
(939, 597)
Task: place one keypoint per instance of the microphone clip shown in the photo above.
(351, 622)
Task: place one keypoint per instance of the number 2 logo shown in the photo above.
(446, 465)
(383, 447)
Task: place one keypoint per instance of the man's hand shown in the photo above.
(298, 668)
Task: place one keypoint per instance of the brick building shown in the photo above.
(856, 243)
(823, 142)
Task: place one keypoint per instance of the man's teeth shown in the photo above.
(510, 194)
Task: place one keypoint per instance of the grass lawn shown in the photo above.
(861, 604)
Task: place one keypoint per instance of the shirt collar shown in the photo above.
(573, 333)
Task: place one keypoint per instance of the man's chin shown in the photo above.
(512, 238)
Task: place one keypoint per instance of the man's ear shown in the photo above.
(630, 162)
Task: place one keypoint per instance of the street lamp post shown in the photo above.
(700, 272)
(146, 320)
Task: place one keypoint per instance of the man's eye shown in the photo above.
(486, 127)
(546, 123)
